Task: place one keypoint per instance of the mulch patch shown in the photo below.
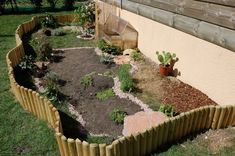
(167, 90)
(71, 68)
(184, 97)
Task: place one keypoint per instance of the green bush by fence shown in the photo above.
(139, 144)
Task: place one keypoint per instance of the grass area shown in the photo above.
(21, 133)
(105, 94)
(213, 142)
(69, 40)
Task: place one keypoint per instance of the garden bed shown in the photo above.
(72, 68)
(85, 93)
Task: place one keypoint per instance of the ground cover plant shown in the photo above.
(118, 115)
(105, 94)
(127, 83)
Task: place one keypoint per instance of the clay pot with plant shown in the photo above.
(167, 61)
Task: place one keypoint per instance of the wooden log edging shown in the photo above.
(135, 145)
(218, 35)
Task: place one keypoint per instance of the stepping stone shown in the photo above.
(141, 121)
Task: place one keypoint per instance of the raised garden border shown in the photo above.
(194, 121)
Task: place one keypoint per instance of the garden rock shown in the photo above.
(141, 121)
(128, 52)
(121, 59)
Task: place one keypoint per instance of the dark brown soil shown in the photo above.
(156, 90)
(71, 68)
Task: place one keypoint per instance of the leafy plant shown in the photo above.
(127, 83)
(167, 109)
(27, 63)
(51, 78)
(166, 57)
(118, 115)
(108, 48)
(58, 32)
(87, 80)
(85, 14)
(136, 55)
(52, 93)
(105, 94)
(49, 21)
(44, 50)
(106, 59)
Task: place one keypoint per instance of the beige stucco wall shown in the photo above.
(203, 65)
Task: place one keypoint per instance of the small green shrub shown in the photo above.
(100, 139)
(44, 50)
(167, 109)
(85, 14)
(106, 59)
(52, 93)
(127, 83)
(108, 48)
(51, 79)
(136, 55)
(118, 116)
(105, 94)
(58, 32)
(27, 63)
(87, 80)
(49, 21)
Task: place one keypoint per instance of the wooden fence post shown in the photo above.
(79, 147)
(102, 148)
(109, 150)
(59, 142)
(216, 117)
(71, 146)
(85, 148)
(94, 150)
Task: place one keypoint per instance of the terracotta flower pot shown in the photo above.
(164, 70)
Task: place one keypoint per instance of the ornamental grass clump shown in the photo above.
(127, 83)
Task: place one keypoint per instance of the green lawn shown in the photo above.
(20, 132)
(213, 142)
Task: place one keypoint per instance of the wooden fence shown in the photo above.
(135, 145)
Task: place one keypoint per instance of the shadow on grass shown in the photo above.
(72, 128)
(166, 147)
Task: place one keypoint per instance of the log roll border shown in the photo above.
(139, 144)
(218, 35)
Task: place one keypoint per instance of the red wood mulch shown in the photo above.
(184, 97)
